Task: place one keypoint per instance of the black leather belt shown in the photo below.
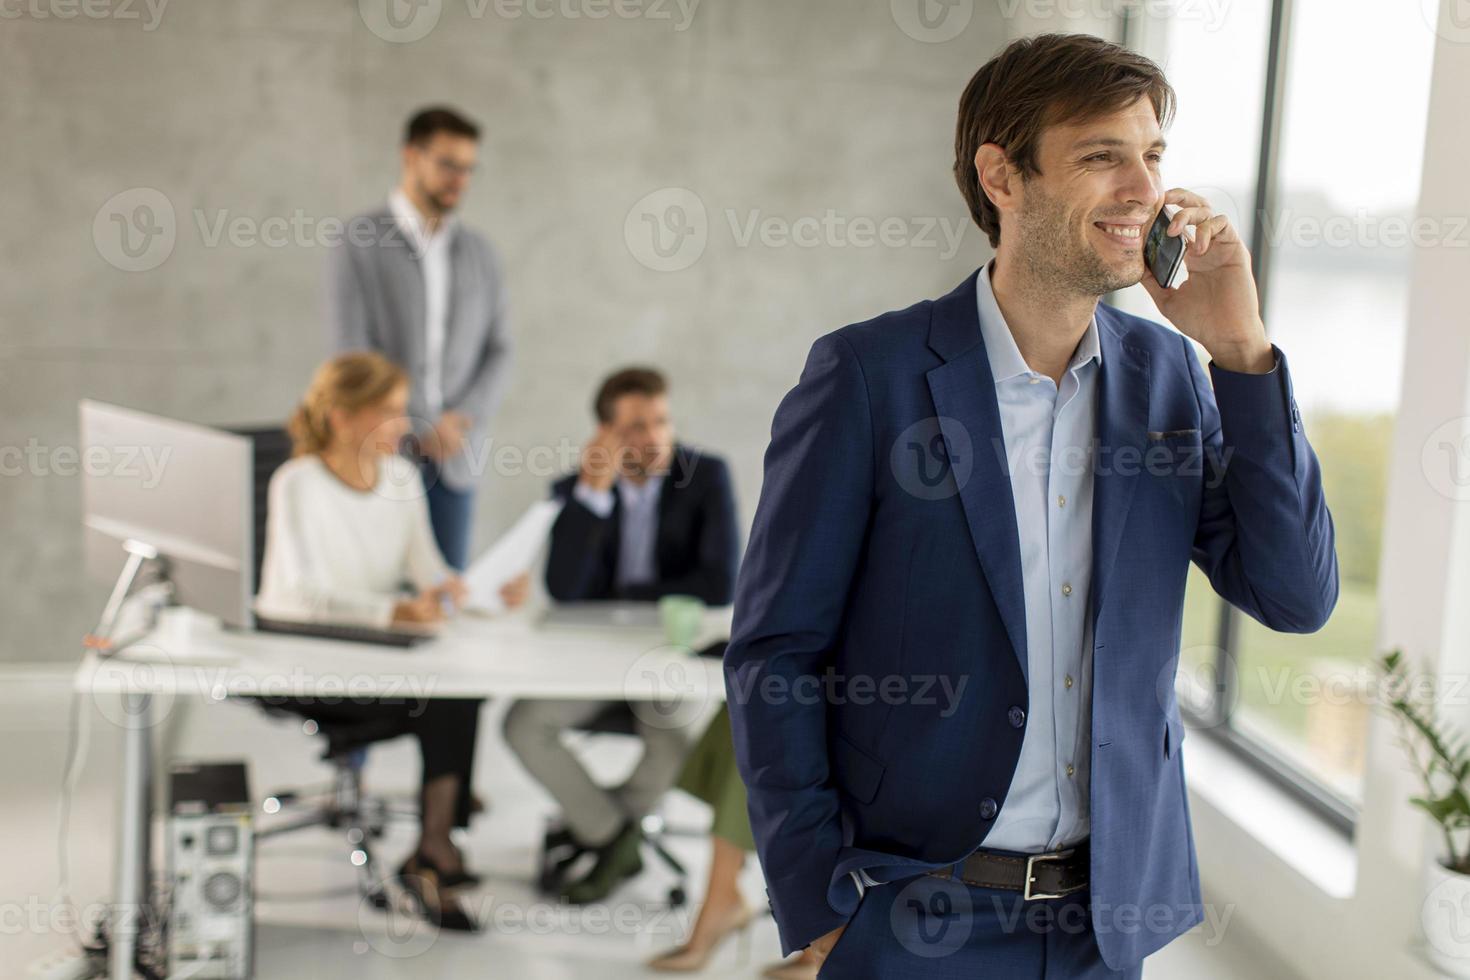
(1053, 874)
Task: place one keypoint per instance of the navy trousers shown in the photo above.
(452, 514)
(941, 928)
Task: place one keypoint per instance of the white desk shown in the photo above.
(510, 656)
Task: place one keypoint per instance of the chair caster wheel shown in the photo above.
(677, 897)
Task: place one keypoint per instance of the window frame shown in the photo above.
(1214, 722)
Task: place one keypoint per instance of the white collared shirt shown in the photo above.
(432, 249)
(1049, 436)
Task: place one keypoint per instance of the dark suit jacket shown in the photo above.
(696, 551)
(885, 547)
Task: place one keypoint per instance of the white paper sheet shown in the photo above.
(515, 552)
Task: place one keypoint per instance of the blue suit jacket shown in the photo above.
(885, 551)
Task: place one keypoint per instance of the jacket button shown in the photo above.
(1017, 716)
(988, 809)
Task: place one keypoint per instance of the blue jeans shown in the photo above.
(452, 513)
(934, 929)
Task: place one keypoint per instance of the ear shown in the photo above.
(999, 181)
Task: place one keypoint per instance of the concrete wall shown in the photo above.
(768, 111)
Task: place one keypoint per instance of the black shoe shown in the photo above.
(430, 894)
(617, 861)
(450, 879)
(559, 851)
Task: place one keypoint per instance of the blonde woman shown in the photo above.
(347, 526)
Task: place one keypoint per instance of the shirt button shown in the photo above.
(1061, 500)
(1070, 770)
(1034, 380)
(1069, 681)
(1066, 588)
(1017, 716)
(988, 808)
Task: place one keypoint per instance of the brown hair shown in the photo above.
(1044, 81)
(437, 119)
(628, 381)
(348, 381)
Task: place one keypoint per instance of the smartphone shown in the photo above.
(1163, 252)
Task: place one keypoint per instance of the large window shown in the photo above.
(1337, 260)
(1317, 160)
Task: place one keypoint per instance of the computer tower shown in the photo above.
(211, 872)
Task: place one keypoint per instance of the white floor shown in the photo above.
(311, 924)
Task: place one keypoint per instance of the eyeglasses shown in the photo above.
(453, 168)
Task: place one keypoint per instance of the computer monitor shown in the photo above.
(183, 490)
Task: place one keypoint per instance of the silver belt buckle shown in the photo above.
(1026, 893)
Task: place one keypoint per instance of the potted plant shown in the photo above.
(1442, 759)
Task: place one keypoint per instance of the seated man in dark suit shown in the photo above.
(645, 517)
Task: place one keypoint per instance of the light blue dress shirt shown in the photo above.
(638, 526)
(1049, 440)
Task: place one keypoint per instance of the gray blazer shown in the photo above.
(375, 301)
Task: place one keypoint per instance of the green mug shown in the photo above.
(682, 616)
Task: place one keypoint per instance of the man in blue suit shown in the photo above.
(957, 623)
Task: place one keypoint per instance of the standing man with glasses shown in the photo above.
(412, 282)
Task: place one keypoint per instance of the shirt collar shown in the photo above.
(412, 222)
(649, 488)
(1000, 346)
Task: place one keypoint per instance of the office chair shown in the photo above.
(558, 853)
(343, 806)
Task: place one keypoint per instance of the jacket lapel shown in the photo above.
(963, 390)
(1122, 424)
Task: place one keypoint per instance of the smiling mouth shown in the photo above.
(1122, 234)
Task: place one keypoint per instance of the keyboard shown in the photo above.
(338, 631)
